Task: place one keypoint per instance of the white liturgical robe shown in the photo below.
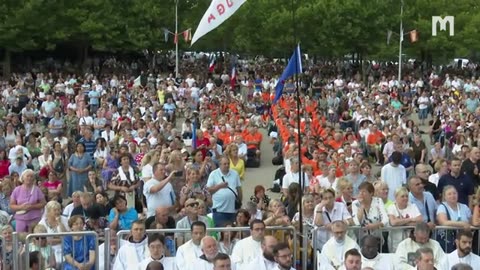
(187, 255)
(471, 259)
(245, 251)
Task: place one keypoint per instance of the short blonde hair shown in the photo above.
(401, 191)
(39, 228)
(342, 184)
(52, 205)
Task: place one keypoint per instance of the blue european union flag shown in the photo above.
(294, 67)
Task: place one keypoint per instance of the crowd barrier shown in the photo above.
(356, 232)
(353, 231)
(4, 252)
(26, 259)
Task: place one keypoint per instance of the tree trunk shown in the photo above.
(7, 64)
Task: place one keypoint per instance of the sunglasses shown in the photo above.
(193, 204)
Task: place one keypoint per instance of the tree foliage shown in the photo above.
(324, 28)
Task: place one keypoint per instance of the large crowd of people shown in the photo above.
(134, 153)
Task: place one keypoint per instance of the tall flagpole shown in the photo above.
(176, 38)
(301, 176)
(400, 44)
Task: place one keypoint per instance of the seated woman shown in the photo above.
(54, 222)
(7, 244)
(93, 184)
(260, 198)
(79, 251)
(454, 214)
(121, 217)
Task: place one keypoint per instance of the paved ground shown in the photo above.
(262, 175)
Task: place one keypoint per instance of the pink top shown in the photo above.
(33, 195)
(52, 185)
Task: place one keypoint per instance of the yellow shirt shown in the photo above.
(239, 167)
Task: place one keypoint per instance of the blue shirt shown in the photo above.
(462, 213)
(125, 220)
(90, 146)
(224, 199)
(94, 95)
(428, 202)
(78, 249)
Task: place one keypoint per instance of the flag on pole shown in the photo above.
(213, 61)
(233, 78)
(194, 134)
(136, 82)
(294, 66)
(413, 36)
(389, 36)
(187, 35)
(218, 12)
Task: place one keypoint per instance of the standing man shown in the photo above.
(248, 248)
(394, 174)
(471, 166)
(283, 256)
(159, 193)
(463, 253)
(423, 200)
(461, 182)
(225, 187)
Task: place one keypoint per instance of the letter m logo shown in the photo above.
(443, 24)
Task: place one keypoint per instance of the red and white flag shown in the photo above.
(187, 35)
(218, 12)
(233, 78)
(213, 61)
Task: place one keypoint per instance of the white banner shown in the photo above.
(218, 12)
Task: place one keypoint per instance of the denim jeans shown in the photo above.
(220, 218)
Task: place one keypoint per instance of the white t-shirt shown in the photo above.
(290, 178)
(426, 100)
(163, 198)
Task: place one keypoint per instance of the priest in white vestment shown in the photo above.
(371, 257)
(188, 253)
(209, 248)
(156, 246)
(113, 250)
(135, 250)
(248, 248)
(405, 253)
(266, 260)
(283, 257)
(463, 253)
(333, 251)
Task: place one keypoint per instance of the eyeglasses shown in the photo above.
(193, 204)
(41, 238)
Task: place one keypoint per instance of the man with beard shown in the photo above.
(265, 261)
(353, 260)
(334, 249)
(283, 257)
(463, 253)
(371, 257)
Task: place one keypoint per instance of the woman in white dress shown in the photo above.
(54, 222)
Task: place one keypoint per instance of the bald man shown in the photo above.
(266, 260)
(161, 220)
(471, 166)
(423, 172)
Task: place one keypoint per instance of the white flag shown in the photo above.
(218, 12)
(136, 82)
